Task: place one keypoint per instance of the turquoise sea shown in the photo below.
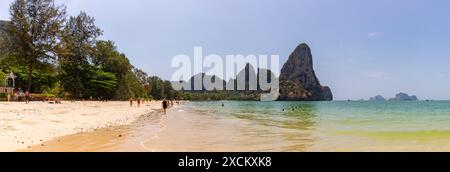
(335, 126)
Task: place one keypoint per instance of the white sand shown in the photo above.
(24, 125)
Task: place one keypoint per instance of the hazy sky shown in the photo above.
(360, 48)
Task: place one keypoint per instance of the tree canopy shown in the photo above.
(35, 26)
(53, 54)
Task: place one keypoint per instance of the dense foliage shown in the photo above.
(53, 54)
(2, 78)
(35, 26)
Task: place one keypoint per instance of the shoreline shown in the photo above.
(181, 130)
(208, 128)
(109, 139)
(25, 125)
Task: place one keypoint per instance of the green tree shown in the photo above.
(2, 78)
(35, 25)
(157, 87)
(79, 36)
(43, 79)
(104, 50)
(101, 83)
(129, 79)
(141, 88)
(169, 92)
(3, 40)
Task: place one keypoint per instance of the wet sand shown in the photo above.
(177, 131)
(184, 130)
(125, 138)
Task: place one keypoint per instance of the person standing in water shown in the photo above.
(165, 105)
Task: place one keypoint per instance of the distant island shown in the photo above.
(377, 98)
(404, 97)
(398, 97)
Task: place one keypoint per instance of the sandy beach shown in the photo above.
(155, 132)
(22, 126)
(178, 131)
(209, 127)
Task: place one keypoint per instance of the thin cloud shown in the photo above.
(377, 75)
(376, 34)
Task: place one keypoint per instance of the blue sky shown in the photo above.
(360, 48)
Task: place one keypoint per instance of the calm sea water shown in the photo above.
(341, 125)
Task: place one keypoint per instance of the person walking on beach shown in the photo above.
(165, 105)
(16, 96)
(139, 102)
(27, 97)
(9, 97)
(131, 102)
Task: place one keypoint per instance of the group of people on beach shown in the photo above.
(166, 104)
(139, 101)
(17, 95)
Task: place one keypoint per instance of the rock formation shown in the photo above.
(298, 81)
(197, 81)
(404, 97)
(378, 98)
(248, 78)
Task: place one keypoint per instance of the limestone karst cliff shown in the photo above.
(298, 81)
